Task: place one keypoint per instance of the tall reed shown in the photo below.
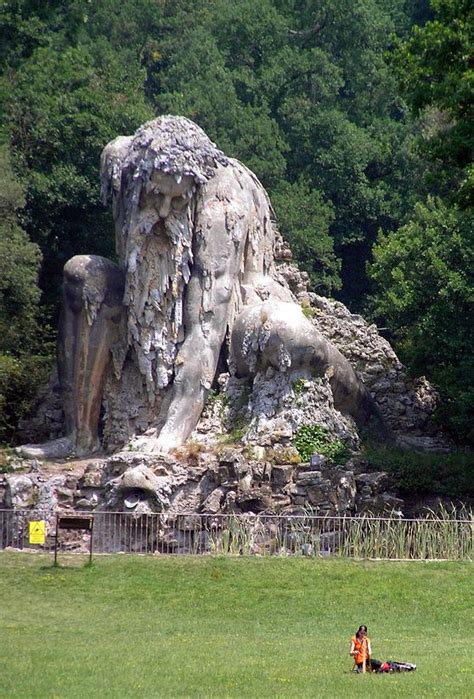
(437, 535)
(445, 534)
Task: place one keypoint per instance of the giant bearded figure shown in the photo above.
(140, 341)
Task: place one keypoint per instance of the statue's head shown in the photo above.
(175, 146)
(165, 159)
(154, 176)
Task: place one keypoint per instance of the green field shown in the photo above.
(132, 626)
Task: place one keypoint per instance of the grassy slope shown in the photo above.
(142, 627)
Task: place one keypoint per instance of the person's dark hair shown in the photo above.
(360, 629)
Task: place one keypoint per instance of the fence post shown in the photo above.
(91, 539)
(56, 541)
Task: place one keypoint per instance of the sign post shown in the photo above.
(85, 522)
(37, 532)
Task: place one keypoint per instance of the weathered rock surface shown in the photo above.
(224, 482)
(206, 329)
(406, 405)
(21, 492)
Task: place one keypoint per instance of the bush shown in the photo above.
(446, 474)
(20, 378)
(314, 439)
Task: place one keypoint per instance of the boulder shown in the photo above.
(21, 492)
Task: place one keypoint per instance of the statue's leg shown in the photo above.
(90, 323)
(277, 334)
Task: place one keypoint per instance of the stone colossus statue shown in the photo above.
(195, 284)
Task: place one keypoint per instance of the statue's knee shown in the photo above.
(74, 276)
(75, 270)
(91, 276)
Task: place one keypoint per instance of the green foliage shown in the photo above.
(19, 293)
(423, 272)
(298, 386)
(8, 461)
(420, 473)
(235, 435)
(303, 94)
(407, 13)
(61, 108)
(433, 252)
(20, 377)
(314, 439)
(437, 76)
(212, 396)
(347, 141)
(22, 368)
(19, 264)
(62, 98)
(308, 312)
(424, 278)
(304, 219)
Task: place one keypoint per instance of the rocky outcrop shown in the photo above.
(229, 479)
(205, 337)
(407, 405)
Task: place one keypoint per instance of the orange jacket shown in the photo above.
(361, 647)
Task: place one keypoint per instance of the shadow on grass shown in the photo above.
(75, 567)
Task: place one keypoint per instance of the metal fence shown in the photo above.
(435, 537)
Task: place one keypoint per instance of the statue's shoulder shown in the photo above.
(250, 180)
(237, 178)
(245, 173)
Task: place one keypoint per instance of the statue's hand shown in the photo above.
(151, 444)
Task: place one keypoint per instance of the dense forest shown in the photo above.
(357, 116)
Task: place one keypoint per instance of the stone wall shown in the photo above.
(228, 480)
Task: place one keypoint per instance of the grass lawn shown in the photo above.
(134, 626)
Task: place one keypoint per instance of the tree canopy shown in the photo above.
(424, 270)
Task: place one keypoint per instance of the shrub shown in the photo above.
(420, 473)
(19, 381)
(315, 439)
(298, 386)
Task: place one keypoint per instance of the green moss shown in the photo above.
(237, 432)
(298, 386)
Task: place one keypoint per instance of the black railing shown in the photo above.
(432, 537)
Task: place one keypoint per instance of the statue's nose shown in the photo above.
(165, 206)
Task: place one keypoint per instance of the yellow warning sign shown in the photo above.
(37, 532)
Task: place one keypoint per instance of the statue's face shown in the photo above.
(169, 195)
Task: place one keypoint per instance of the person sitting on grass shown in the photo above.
(361, 651)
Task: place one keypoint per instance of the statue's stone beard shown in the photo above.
(159, 259)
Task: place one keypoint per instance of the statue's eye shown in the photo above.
(179, 202)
